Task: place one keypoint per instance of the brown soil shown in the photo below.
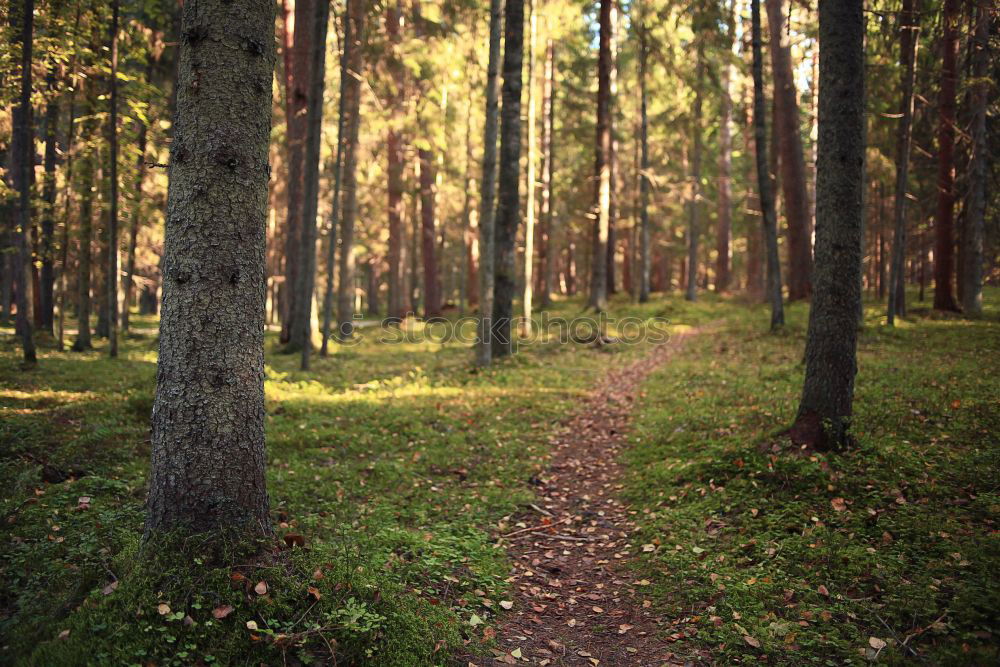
(574, 600)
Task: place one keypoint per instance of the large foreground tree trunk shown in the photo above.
(487, 214)
(768, 215)
(22, 164)
(508, 197)
(792, 163)
(909, 30)
(602, 166)
(831, 346)
(208, 413)
(944, 234)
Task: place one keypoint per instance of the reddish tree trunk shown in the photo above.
(792, 163)
(944, 241)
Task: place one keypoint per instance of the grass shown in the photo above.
(767, 553)
(397, 463)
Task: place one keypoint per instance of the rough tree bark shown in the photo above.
(508, 198)
(909, 31)
(113, 277)
(788, 140)
(208, 412)
(824, 414)
(22, 164)
(487, 215)
(972, 276)
(602, 166)
(768, 214)
(693, 226)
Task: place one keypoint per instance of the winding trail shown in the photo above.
(574, 601)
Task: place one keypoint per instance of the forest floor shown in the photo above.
(421, 490)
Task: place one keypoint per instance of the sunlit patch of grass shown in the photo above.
(765, 550)
(395, 462)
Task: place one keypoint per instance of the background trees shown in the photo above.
(421, 224)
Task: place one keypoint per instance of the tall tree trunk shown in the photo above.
(693, 226)
(356, 10)
(724, 224)
(395, 156)
(508, 199)
(85, 254)
(768, 215)
(468, 290)
(825, 410)
(302, 326)
(644, 185)
(546, 250)
(487, 213)
(972, 276)
(611, 246)
(793, 169)
(335, 198)
(128, 282)
(47, 244)
(602, 167)
(944, 235)
(428, 233)
(299, 25)
(67, 198)
(529, 218)
(22, 166)
(208, 412)
(113, 277)
(909, 32)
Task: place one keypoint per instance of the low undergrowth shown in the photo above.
(762, 552)
(389, 466)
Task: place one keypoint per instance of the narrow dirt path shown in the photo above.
(574, 601)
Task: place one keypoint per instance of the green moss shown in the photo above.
(811, 554)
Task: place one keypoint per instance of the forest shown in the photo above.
(493, 332)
